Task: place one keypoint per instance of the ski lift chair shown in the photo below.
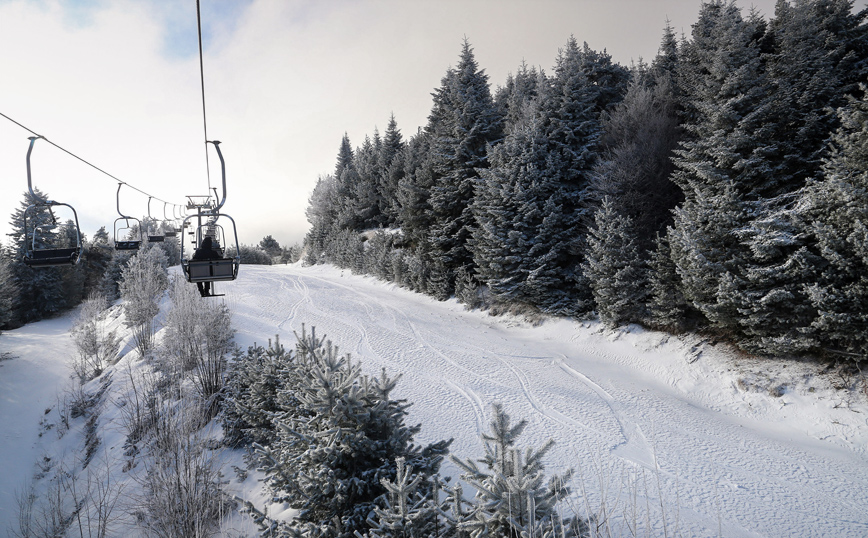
(153, 238)
(126, 244)
(222, 269)
(36, 252)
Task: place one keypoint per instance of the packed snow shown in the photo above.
(678, 436)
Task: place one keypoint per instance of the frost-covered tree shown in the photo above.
(391, 171)
(513, 497)
(615, 269)
(638, 137)
(345, 436)
(143, 281)
(98, 254)
(410, 507)
(251, 402)
(834, 212)
(198, 338)
(40, 289)
(463, 122)
(8, 289)
(95, 343)
(270, 246)
(667, 307)
(720, 166)
(321, 212)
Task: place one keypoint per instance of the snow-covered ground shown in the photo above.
(674, 435)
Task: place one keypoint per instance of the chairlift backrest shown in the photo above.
(38, 255)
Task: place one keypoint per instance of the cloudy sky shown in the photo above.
(117, 83)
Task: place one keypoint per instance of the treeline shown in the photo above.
(30, 294)
(722, 188)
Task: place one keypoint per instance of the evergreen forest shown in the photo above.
(721, 188)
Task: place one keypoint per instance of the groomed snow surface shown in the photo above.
(667, 436)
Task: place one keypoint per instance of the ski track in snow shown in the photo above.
(625, 418)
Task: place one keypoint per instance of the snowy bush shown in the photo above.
(251, 398)
(95, 343)
(198, 338)
(332, 452)
(142, 284)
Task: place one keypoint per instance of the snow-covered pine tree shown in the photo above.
(414, 191)
(638, 137)
(667, 307)
(515, 99)
(720, 166)
(98, 254)
(391, 172)
(463, 122)
(834, 211)
(330, 456)
(513, 498)
(615, 269)
(143, 281)
(251, 403)
(41, 289)
(8, 289)
(407, 512)
(568, 106)
(367, 195)
(508, 213)
(321, 213)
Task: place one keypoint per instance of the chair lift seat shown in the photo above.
(218, 270)
(156, 239)
(52, 257)
(127, 245)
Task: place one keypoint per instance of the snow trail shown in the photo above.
(632, 412)
(615, 411)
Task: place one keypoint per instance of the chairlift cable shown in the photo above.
(79, 158)
(202, 79)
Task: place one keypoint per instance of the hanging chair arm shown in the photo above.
(39, 200)
(223, 172)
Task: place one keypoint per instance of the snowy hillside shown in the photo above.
(690, 436)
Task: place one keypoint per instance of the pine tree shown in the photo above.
(513, 498)
(40, 289)
(834, 212)
(720, 166)
(667, 307)
(463, 122)
(391, 172)
(8, 290)
(251, 403)
(614, 267)
(98, 254)
(345, 437)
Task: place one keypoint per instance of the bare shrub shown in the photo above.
(198, 337)
(95, 344)
(142, 284)
(183, 494)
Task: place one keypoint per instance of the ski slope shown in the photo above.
(671, 437)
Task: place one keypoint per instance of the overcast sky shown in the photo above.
(117, 83)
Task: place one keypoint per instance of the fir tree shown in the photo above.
(8, 289)
(615, 269)
(331, 455)
(463, 122)
(513, 498)
(834, 212)
(667, 307)
(391, 172)
(40, 289)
